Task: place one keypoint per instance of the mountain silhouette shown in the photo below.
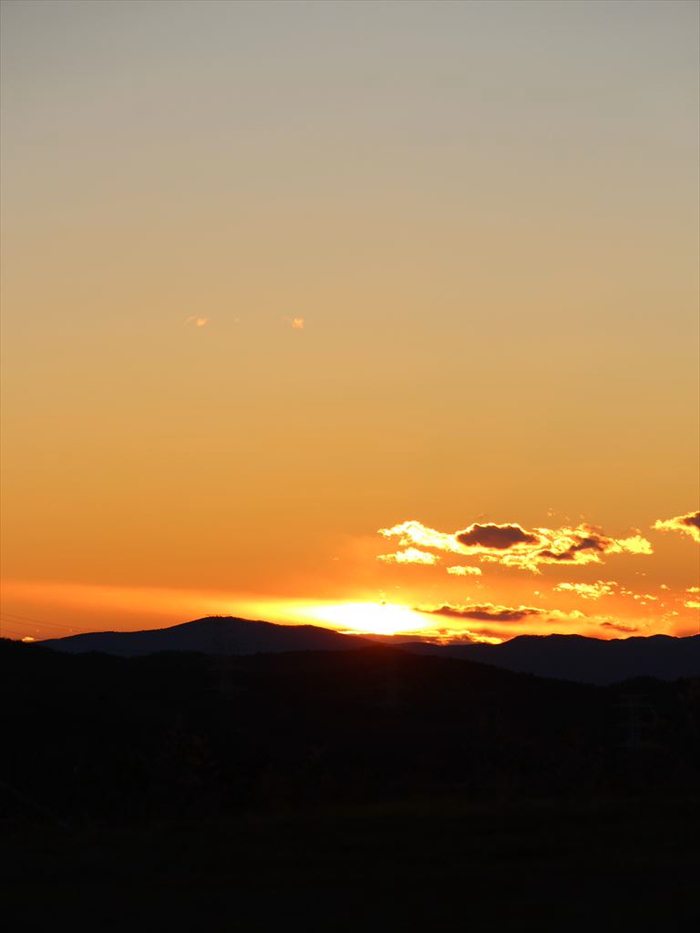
(218, 635)
(565, 657)
(586, 660)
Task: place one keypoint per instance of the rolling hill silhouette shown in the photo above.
(565, 657)
(217, 635)
(586, 660)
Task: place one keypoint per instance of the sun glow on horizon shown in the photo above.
(370, 618)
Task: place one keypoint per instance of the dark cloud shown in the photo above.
(486, 612)
(692, 521)
(620, 626)
(499, 537)
(590, 543)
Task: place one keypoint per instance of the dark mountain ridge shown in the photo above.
(216, 635)
(564, 657)
(586, 660)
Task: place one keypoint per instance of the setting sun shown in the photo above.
(371, 618)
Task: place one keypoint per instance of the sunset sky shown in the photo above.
(379, 315)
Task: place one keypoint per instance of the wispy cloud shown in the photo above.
(620, 626)
(514, 546)
(462, 571)
(296, 323)
(197, 321)
(688, 524)
(410, 556)
(499, 621)
(485, 612)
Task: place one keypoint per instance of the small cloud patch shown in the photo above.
(410, 556)
(587, 590)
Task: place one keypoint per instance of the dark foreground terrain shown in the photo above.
(342, 790)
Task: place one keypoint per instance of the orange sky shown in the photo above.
(277, 277)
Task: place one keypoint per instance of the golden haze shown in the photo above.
(276, 276)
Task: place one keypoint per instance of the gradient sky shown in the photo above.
(279, 275)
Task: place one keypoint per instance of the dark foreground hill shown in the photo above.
(587, 660)
(214, 636)
(342, 787)
(136, 736)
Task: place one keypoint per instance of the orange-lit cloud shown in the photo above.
(462, 571)
(410, 556)
(692, 603)
(688, 524)
(513, 546)
(198, 321)
(296, 323)
(413, 532)
(587, 590)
